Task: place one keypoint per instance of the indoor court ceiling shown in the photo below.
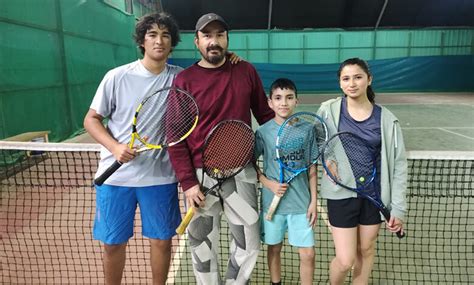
(323, 14)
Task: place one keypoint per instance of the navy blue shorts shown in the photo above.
(351, 212)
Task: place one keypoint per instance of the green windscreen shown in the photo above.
(53, 55)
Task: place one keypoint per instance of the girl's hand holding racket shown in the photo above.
(332, 168)
(395, 225)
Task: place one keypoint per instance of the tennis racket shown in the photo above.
(161, 120)
(298, 147)
(227, 150)
(350, 162)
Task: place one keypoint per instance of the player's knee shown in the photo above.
(366, 250)
(345, 263)
(274, 249)
(114, 249)
(307, 255)
(162, 245)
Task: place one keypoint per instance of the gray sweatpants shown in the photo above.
(239, 197)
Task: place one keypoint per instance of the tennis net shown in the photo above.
(47, 212)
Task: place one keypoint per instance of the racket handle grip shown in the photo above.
(109, 171)
(386, 214)
(185, 222)
(400, 234)
(272, 208)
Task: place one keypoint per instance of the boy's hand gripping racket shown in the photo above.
(227, 150)
(350, 162)
(298, 146)
(162, 119)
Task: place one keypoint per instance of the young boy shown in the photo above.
(296, 213)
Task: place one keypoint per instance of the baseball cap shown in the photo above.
(210, 17)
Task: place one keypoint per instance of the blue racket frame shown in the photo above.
(283, 166)
(375, 197)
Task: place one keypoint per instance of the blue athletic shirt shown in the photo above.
(368, 129)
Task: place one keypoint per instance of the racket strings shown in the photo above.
(166, 117)
(350, 160)
(360, 158)
(228, 149)
(149, 118)
(182, 114)
(300, 140)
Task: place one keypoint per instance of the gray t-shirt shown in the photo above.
(297, 197)
(117, 98)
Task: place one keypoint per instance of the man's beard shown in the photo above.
(214, 59)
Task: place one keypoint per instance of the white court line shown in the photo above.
(454, 133)
(176, 262)
(444, 129)
(424, 103)
(434, 128)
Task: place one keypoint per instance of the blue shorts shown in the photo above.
(116, 206)
(300, 233)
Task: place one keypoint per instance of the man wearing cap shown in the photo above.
(223, 91)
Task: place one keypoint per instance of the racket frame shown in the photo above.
(276, 199)
(377, 201)
(147, 146)
(220, 180)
